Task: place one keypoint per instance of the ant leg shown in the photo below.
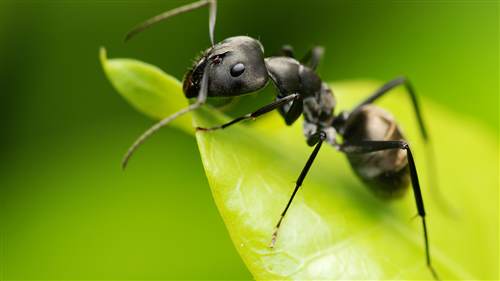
(319, 137)
(310, 59)
(371, 146)
(263, 110)
(292, 112)
(287, 51)
(389, 86)
(201, 99)
(313, 57)
(430, 155)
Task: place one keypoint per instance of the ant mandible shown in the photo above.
(373, 142)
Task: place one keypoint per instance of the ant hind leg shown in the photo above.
(372, 146)
(430, 155)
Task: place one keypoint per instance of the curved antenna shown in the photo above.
(212, 16)
(202, 97)
(176, 11)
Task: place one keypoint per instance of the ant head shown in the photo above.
(236, 67)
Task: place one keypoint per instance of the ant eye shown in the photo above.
(237, 69)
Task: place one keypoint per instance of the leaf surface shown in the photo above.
(336, 228)
(146, 88)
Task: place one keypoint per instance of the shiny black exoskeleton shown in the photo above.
(372, 140)
(237, 67)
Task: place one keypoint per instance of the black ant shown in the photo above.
(373, 142)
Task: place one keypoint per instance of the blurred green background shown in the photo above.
(69, 212)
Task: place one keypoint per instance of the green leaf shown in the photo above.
(147, 88)
(337, 229)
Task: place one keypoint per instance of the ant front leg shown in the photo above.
(291, 111)
(201, 99)
(263, 110)
(372, 146)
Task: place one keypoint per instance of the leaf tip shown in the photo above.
(103, 56)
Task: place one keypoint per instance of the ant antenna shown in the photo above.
(202, 97)
(176, 11)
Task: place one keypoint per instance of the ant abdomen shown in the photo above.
(385, 172)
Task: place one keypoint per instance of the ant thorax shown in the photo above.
(312, 129)
(318, 114)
